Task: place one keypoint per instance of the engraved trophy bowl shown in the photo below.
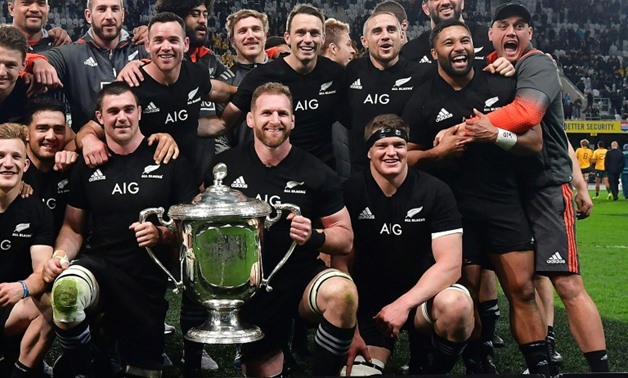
(220, 257)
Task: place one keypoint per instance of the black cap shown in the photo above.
(511, 9)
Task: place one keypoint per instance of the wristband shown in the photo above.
(505, 139)
(25, 291)
(316, 240)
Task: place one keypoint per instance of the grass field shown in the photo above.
(603, 246)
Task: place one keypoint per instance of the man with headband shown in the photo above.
(412, 218)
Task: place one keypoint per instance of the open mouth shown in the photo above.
(510, 46)
(459, 60)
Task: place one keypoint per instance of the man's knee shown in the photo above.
(335, 292)
(568, 286)
(453, 312)
(74, 291)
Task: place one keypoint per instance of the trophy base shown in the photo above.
(224, 327)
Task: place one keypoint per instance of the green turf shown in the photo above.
(603, 246)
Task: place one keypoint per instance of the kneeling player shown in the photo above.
(408, 235)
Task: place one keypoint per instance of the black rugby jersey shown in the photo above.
(175, 109)
(370, 92)
(117, 191)
(393, 235)
(53, 188)
(12, 109)
(25, 223)
(300, 179)
(317, 98)
(485, 175)
(418, 50)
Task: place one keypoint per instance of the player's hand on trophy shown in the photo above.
(300, 228)
(146, 233)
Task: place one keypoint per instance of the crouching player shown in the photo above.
(408, 234)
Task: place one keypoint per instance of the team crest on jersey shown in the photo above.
(290, 185)
(19, 228)
(325, 89)
(148, 172)
(411, 215)
(192, 96)
(399, 84)
(62, 186)
(488, 104)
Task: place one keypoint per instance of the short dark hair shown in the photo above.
(601, 144)
(385, 121)
(115, 88)
(274, 40)
(12, 38)
(391, 6)
(40, 104)
(164, 17)
(181, 7)
(444, 25)
(272, 88)
(305, 9)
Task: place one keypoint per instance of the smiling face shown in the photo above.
(305, 37)
(453, 49)
(120, 116)
(196, 25)
(167, 44)
(382, 37)
(441, 10)
(29, 16)
(11, 64)
(271, 119)
(106, 18)
(511, 37)
(13, 163)
(389, 156)
(46, 134)
(248, 38)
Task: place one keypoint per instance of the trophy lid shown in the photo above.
(219, 201)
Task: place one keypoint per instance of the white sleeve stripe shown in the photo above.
(436, 235)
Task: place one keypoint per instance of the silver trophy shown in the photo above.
(220, 256)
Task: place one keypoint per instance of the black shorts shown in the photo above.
(273, 311)
(501, 231)
(134, 310)
(588, 169)
(552, 214)
(600, 173)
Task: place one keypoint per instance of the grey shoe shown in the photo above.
(168, 329)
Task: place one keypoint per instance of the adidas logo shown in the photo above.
(556, 258)
(425, 59)
(239, 183)
(191, 95)
(90, 62)
(443, 115)
(97, 176)
(356, 85)
(151, 108)
(366, 214)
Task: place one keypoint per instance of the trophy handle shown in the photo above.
(294, 209)
(159, 212)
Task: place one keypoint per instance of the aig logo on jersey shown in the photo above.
(325, 89)
(192, 99)
(411, 215)
(290, 185)
(17, 233)
(147, 173)
(399, 85)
